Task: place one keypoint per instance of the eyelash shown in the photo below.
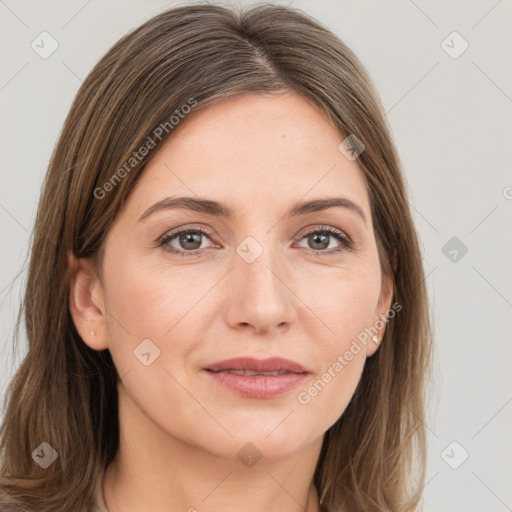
(345, 241)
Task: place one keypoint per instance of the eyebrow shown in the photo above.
(218, 209)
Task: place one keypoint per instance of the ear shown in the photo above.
(384, 305)
(86, 302)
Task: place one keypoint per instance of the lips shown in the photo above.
(251, 373)
(252, 367)
(257, 378)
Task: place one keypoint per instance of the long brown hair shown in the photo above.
(65, 394)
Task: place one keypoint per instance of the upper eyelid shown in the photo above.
(186, 228)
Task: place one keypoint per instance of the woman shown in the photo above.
(225, 303)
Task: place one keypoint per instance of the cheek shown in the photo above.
(163, 311)
(148, 297)
(146, 303)
(152, 333)
(344, 303)
(346, 307)
(328, 394)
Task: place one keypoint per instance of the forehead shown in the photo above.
(253, 147)
(262, 126)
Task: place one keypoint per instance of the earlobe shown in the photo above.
(376, 333)
(379, 325)
(86, 303)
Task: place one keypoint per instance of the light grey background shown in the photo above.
(451, 118)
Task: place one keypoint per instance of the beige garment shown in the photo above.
(100, 501)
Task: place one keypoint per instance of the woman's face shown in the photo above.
(258, 283)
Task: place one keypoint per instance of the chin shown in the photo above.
(254, 440)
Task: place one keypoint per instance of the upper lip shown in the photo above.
(270, 364)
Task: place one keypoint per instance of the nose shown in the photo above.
(260, 297)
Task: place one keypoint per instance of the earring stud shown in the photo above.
(375, 339)
(93, 333)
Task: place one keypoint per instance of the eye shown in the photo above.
(322, 241)
(326, 237)
(190, 241)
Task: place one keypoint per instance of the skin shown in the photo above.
(180, 433)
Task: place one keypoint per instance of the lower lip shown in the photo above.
(258, 386)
